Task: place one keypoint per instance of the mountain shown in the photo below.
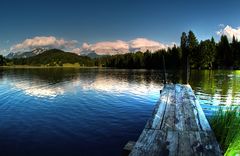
(34, 52)
(110, 51)
(99, 52)
(54, 57)
(144, 49)
(92, 55)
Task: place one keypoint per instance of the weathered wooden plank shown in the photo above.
(178, 127)
(184, 147)
(151, 143)
(158, 115)
(204, 144)
(179, 115)
(210, 145)
(195, 142)
(169, 116)
(192, 143)
(189, 115)
(172, 140)
(159, 111)
(202, 120)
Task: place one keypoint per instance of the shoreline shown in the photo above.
(39, 67)
(98, 67)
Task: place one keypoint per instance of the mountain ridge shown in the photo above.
(34, 52)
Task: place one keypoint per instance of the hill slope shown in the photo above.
(54, 57)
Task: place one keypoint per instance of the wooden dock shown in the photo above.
(178, 127)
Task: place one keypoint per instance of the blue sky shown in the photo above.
(93, 21)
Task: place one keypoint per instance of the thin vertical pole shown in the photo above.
(164, 70)
(187, 70)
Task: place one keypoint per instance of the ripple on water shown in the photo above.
(66, 112)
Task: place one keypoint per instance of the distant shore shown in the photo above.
(36, 67)
(95, 67)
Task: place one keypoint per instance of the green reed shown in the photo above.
(226, 126)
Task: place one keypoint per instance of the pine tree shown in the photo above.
(184, 40)
(224, 53)
(206, 54)
(1, 60)
(192, 44)
(235, 47)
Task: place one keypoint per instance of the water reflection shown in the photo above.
(41, 83)
(49, 83)
(216, 88)
(34, 89)
(67, 111)
(213, 88)
(219, 87)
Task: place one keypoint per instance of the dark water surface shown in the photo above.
(92, 112)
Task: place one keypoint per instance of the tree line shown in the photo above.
(209, 54)
(206, 54)
(2, 60)
(146, 59)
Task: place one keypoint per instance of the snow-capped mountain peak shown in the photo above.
(38, 50)
(20, 54)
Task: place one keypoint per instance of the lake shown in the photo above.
(91, 112)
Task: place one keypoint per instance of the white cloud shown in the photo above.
(43, 41)
(77, 50)
(101, 48)
(120, 47)
(110, 45)
(143, 42)
(85, 46)
(230, 32)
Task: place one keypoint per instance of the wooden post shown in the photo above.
(164, 70)
(187, 70)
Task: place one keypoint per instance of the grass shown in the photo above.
(226, 126)
(76, 65)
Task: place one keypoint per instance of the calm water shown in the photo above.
(90, 111)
